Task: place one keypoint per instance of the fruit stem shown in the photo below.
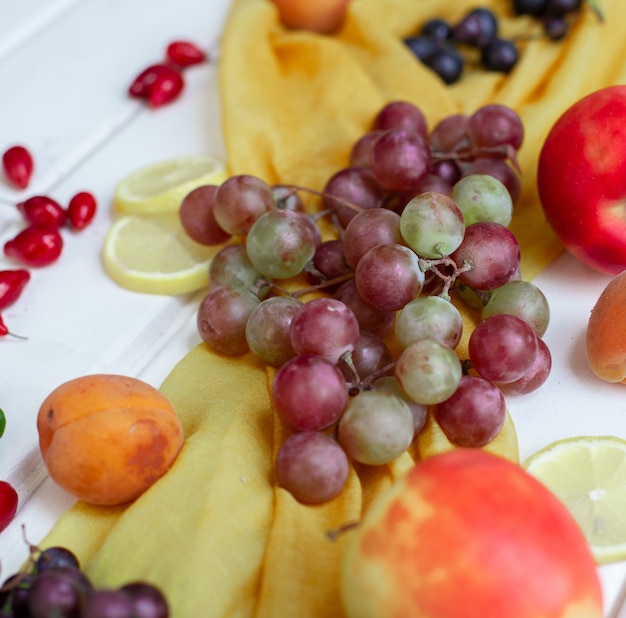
(334, 533)
(341, 201)
(323, 284)
(594, 5)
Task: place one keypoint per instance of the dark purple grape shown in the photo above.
(54, 557)
(105, 603)
(446, 62)
(436, 28)
(423, 47)
(556, 27)
(58, 592)
(477, 28)
(499, 55)
(536, 8)
(562, 7)
(148, 600)
(15, 594)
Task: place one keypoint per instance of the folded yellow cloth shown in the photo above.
(215, 533)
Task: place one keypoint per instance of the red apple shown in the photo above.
(321, 16)
(8, 504)
(581, 179)
(468, 533)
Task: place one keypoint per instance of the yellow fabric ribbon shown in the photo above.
(215, 533)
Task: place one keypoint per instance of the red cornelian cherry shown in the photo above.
(8, 504)
(12, 282)
(141, 83)
(166, 88)
(81, 210)
(35, 246)
(43, 211)
(185, 53)
(18, 165)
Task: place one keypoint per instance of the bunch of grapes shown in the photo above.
(52, 584)
(555, 16)
(360, 322)
(439, 44)
(446, 48)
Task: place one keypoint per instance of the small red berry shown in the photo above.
(18, 166)
(81, 210)
(140, 85)
(185, 53)
(8, 504)
(35, 246)
(12, 282)
(43, 211)
(166, 87)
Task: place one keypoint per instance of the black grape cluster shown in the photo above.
(445, 47)
(554, 15)
(52, 585)
(439, 45)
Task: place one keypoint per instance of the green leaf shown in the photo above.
(3, 422)
(594, 5)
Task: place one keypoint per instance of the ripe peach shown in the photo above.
(606, 332)
(106, 438)
(321, 16)
(468, 533)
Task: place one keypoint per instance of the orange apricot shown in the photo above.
(106, 438)
(321, 16)
(606, 332)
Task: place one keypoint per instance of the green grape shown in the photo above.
(428, 372)
(280, 243)
(429, 317)
(483, 198)
(523, 300)
(376, 427)
(432, 225)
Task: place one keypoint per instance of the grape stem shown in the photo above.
(505, 151)
(321, 285)
(448, 279)
(340, 201)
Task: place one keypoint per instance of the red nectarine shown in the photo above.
(467, 533)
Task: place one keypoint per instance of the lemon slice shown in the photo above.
(588, 474)
(154, 255)
(161, 187)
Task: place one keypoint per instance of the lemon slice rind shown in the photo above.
(588, 474)
(161, 187)
(152, 254)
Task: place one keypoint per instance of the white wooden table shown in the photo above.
(65, 66)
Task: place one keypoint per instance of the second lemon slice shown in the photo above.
(152, 254)
(161, 187)
(588, 474)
